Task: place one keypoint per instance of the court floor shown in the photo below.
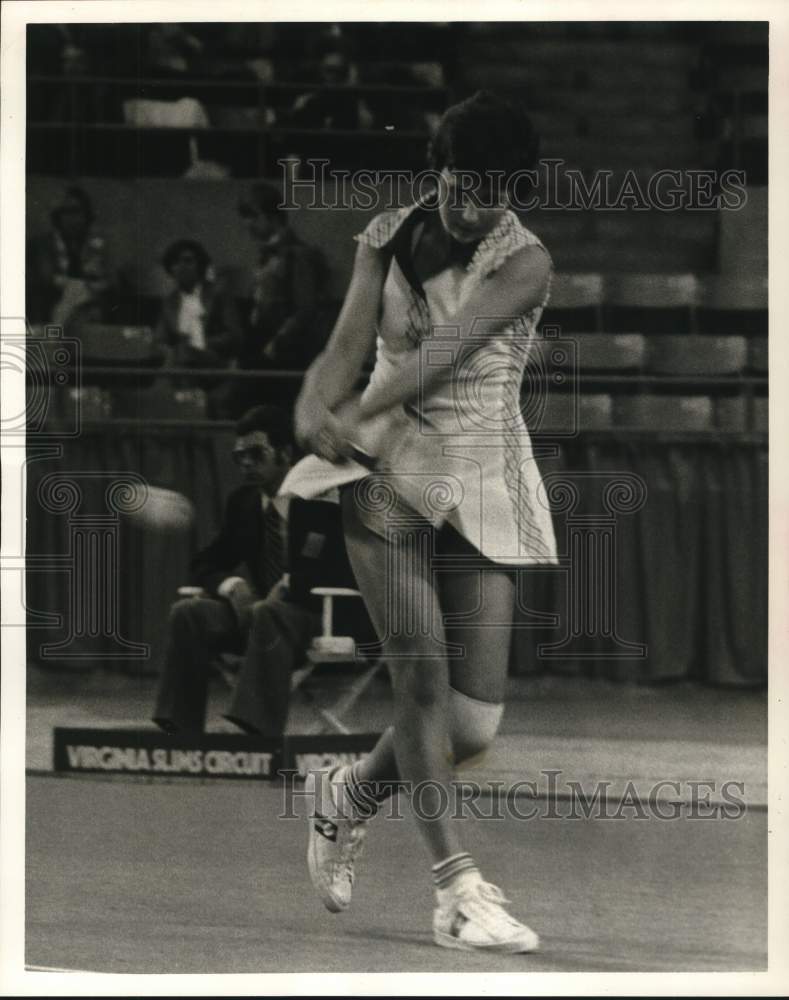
(130, 876)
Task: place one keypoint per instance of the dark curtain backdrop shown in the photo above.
(691, 580)
(691, 565)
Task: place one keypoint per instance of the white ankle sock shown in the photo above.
(454, 873)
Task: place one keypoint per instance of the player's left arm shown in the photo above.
(519, 285)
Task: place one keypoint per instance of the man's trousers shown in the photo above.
(272, 645)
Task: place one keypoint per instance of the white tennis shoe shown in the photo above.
(472, 918)
(335, 843)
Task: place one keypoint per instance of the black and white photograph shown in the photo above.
(393, 553)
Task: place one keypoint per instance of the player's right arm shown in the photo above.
(333, 375)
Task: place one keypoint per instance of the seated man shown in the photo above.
(262, 621)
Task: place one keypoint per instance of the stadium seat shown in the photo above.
(610, 352)
(758, 360)
(160, 402)
(236, 117)
(107, 344)
(650, 303)
(731, 413)
(566, 414)
(575, 302)
(88, 403)
(761, 414)
(653, 412)
(732, 303)
(696, 354)
(113, 346)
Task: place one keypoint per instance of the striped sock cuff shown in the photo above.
(445, 872)
(364, 796)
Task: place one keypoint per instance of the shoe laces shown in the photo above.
(351, 835)
(485, 901)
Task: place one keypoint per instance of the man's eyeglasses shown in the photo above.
(255, 453)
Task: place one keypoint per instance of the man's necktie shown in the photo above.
(274, 555)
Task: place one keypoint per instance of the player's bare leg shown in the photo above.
(469, 913)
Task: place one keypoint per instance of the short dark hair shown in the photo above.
(174, 251)
(484, 133)
(272, 420)
(262, 198)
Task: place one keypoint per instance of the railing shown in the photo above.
(635, 380)
(744, 386)
(92, 106)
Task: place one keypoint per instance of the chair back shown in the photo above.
(317, 557)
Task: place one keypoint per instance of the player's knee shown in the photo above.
(473, 725)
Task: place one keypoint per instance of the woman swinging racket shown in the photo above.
(454, 287)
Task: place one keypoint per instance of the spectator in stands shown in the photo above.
(329, 107)
(66, 267)
(258, 619)
(173, 51)
(282, 327)
(199, 323)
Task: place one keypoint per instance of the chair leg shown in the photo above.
(333, 722)
(357, 689)
(298, 677)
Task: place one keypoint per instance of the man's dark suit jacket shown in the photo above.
(316, 547)
(240, 542)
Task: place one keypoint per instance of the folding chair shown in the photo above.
(319, 567)
(330, 648)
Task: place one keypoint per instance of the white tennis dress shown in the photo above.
(461, 453)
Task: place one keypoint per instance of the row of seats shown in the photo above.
(555, 413)
(667, 354)
(652, 412)
(664, 354)
(716, 291)
(715, 298)
(659, 303)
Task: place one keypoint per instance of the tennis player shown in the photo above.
(453, 462)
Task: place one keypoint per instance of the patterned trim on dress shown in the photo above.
(380, 231)
(417, 319)
(505, 239)
(531, 540)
